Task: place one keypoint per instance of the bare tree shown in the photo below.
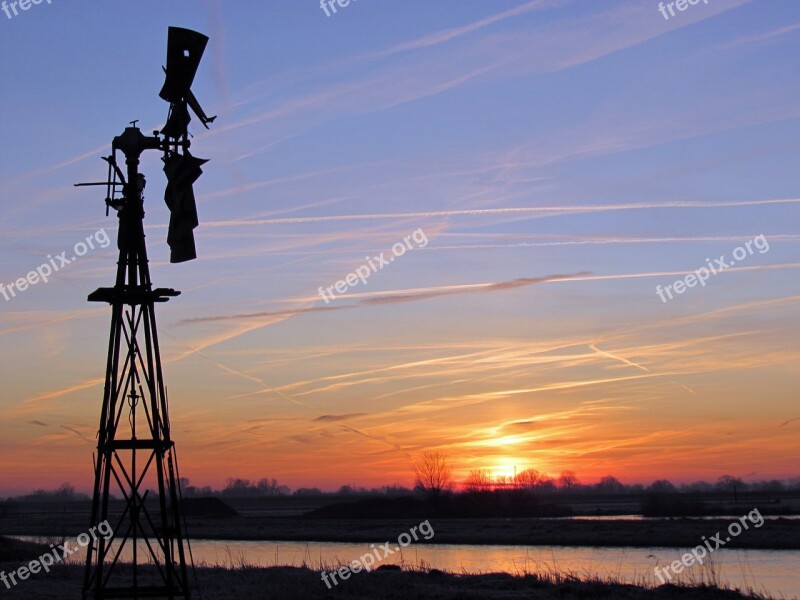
(567, 480)
(529, 479)
(433, 473)
(478, 480)
(503, 482)
(271, 487)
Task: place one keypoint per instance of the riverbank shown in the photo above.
(287, 583)
(778, 534)
(774, 534)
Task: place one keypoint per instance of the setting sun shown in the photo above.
(507, 468)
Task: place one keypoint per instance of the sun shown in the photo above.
(507, 467)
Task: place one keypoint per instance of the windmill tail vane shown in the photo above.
(184, 51)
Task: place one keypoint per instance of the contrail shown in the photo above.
(78, 433)
(394, 297)
(622, 359)
(550, 210)
(420, 293)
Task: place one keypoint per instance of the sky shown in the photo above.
(553, 166)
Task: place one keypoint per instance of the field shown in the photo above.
(776, 534)
(242, 580)
(284, 583)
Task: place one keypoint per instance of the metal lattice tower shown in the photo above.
(135, 451)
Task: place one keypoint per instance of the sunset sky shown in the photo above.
(562, 159)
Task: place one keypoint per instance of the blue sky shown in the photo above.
(590, 143)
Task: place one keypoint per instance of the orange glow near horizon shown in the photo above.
(558, 178)
(583, 410)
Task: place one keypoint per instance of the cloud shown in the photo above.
(30, 404)
(447, 35)
(396, 298)
(621, 359)
(554, 210)
(334, 418)
(761, 37)
(377, 438)
(78, 433)
(490, 287)
(522, 426)
(258, 315)
(302, 439)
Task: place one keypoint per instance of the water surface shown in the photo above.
(771, 572)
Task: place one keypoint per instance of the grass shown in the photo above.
(302, 583)
(239, 578)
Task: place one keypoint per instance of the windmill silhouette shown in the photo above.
(136, 454)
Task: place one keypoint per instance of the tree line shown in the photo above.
(433, 476)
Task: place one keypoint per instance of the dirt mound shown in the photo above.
(12, 550)
(207, 507)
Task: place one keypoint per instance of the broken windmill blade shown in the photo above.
(184, 51)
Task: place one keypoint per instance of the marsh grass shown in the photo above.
(241, 579)
(237, 577)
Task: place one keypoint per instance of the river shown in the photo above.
(774, 573)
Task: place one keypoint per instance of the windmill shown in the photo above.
(136, 456)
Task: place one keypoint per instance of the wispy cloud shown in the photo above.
(554, 210)
(335, 418)
(394, 298)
